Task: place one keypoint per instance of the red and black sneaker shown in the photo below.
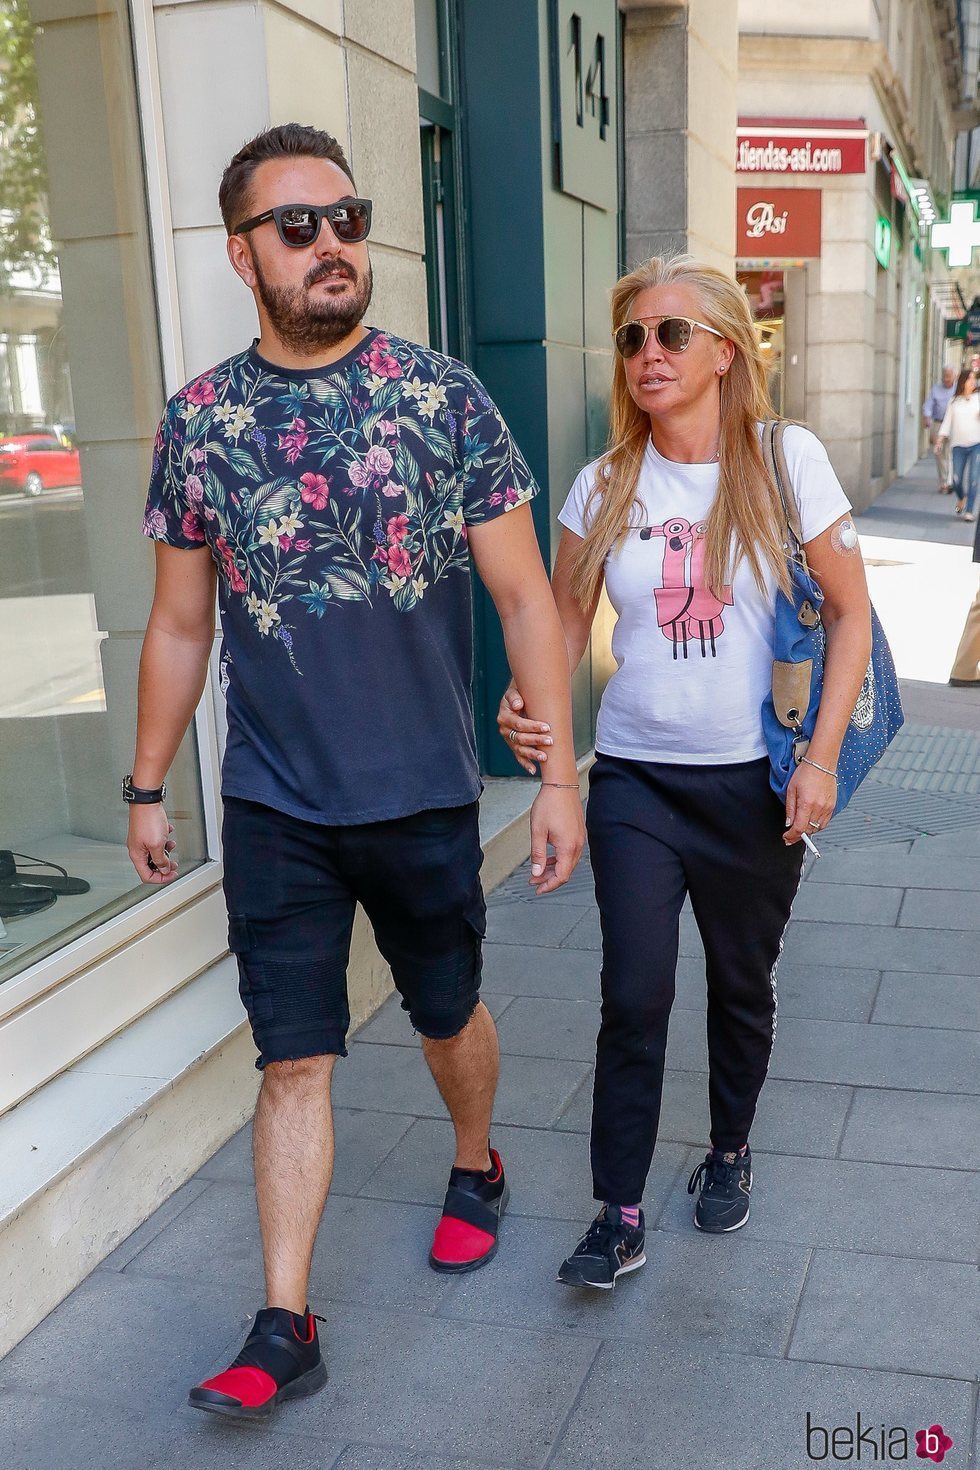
(466, 1236)
(280, 1360)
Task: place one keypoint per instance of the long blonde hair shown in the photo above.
(746, 518)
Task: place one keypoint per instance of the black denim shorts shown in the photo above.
(292, 887)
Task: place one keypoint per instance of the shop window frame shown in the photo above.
(38, 1004)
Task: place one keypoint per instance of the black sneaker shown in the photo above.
(726, 1182)
(607, 1250)
(466, 1236)
(278, 1362)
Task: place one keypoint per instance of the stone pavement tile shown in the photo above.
(792, 1117)
(580, 888)
(586, 935)
(687, 1045)
(548, 1172)
(873, 946)
(838, 1204)
(881, 865)
(216, 1239)
(816, 991)
(951, 1001)
(962, 844)
(688, 1292)
(514, 969)
(362, 1139)
(158, 1221)
(852, 903)
(532, 923)
(390, 1023)
(364, 1457)
(939, 909)
(532, 1091)
(121, 1338)
(933, 1128)
(876, 1056)
(432, 1386)
(534, 1026)
(668, 1406)
(38, 1430)
(219, 1243)
(823, 993)
(877, 1312)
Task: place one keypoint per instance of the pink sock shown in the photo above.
(630, 1215)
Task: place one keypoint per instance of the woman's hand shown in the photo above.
(528, 740)
(557, 821)
(810, 802)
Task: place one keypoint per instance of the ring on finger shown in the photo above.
(814, 825)
(513, 736)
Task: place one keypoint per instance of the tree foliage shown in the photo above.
(25, 244)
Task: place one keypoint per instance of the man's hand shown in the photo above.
(150, 843)
(556, 818)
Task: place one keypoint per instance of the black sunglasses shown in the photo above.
(299, 224)
(674, 334)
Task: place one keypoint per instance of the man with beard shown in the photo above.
(334, 481)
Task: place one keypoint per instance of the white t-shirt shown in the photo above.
(961, 425)
(692, 671)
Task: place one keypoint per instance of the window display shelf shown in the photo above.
(113, 887)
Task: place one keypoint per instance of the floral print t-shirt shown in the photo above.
(335, 505)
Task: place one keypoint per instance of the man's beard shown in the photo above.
(307, 324)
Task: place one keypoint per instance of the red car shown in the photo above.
(36, 462)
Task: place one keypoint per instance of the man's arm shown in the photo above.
(173, 670)
(508, 560)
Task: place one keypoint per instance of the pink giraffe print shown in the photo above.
(687, 612)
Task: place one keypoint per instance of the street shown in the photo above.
(846, 1302)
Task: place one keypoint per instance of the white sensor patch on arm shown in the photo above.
(844, 538)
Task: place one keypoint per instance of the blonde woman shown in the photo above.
(680, 522)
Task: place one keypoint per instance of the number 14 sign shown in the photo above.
(584, 71)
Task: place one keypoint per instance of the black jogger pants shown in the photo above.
(656, 833)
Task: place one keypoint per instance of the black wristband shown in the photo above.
(142, 795)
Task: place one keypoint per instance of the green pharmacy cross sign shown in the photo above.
(883, 242)
(959, 235)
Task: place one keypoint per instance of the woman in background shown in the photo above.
(961, 427)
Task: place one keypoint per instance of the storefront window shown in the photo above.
(80, 395)
(766, 291)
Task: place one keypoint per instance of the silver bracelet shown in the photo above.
(816, 767)
(563, 785)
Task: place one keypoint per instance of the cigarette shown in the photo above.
(809, 844)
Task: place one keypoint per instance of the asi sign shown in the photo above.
(792, 145)
(776, 223)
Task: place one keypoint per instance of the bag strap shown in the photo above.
(774, 454)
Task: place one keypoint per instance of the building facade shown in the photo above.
(808, 148)
(848, 115)
(491, 139)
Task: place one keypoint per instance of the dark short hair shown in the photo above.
(290, 140)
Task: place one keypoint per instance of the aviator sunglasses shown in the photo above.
(299, 224)
(674, 334)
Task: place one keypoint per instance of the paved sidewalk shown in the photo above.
(852, 1290)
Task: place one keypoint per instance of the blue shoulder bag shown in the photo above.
(789, 711)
